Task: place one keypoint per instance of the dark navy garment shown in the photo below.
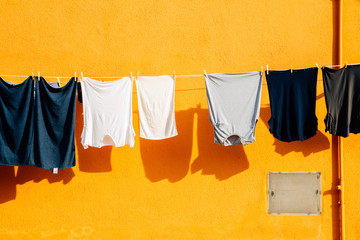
(54, 125)
(52, 84)
(292, 103)
(16, 122)
(79, 92)
(342, 97)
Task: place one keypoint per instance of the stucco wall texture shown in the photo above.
(185, 187)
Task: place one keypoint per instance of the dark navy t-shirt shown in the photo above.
(292, 102)
(16, 122)
(54, 125)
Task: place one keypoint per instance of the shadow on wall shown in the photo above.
(30, 173)
(24, 174)
(169, 158)
(7, 184)
(214, 159)
(91, 160)
(317, 143)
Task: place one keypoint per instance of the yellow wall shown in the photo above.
(185, 187)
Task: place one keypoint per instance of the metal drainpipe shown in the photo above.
(339, 139)
(341, 188)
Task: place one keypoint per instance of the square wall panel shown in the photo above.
(294, 193)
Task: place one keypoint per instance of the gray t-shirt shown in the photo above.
(234, 106)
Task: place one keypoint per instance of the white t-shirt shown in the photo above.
(156, 107)
(107, 113)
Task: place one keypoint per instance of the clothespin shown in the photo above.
(59, 81)
(317, 65)
(174, 76)
(39, 75)
(82, 76)
(291, 70)
(205, 73)
(131, 77)
(262, 70)
(346, 64)
(138, 76)
(75, 76)
(267, 69)
(33, 76)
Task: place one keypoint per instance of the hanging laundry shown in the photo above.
(16, 122)
(342, 97)
(54, 125)
(107, 110)
(52, 84)
(79, 93)
(156, 107)
(292, 103)
(234, 104)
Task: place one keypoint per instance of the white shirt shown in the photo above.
(156, 107)
(107, 113)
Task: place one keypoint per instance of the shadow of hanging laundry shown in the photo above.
(92, 159)
(317, 143)
(169, 158)
(321, 95)
(7, 184)
(214, 159)
(30, 173)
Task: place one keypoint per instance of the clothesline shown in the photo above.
(177, 76)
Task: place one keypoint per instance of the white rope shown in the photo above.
(116, 77)
(178, 76)
(341, 65)
(334, 66)
(190, 75)
(30, 76)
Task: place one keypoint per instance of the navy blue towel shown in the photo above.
(16, 122)
(54, 125)
(342, 97)
(292, 102)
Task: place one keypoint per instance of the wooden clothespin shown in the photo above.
(138, 76)
(39, 75)
(291, 69)
(346, 64)
(205, 73)
(82, 76)
(33, 76)
(262, 70)
(267, 69)
(131, 76)
(174, 76)
(59, 81)
(75, 76)
(317, 65)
